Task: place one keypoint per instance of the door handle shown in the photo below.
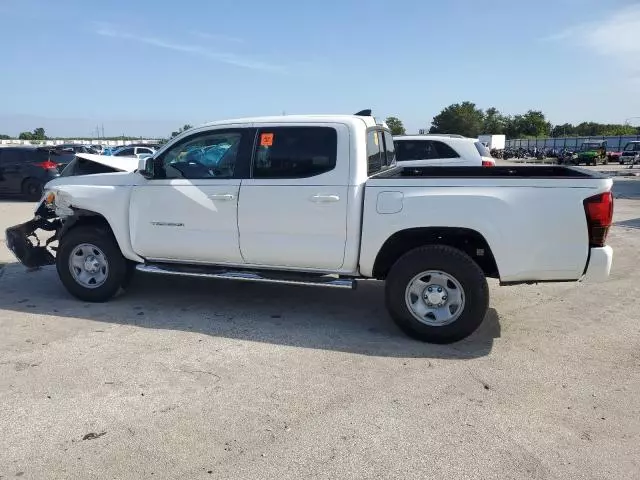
(325, 198)
(222, 196)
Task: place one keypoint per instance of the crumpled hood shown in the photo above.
(124, 164)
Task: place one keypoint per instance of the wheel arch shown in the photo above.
(467, 240)
(83, 217)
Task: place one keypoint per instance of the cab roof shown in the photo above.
(368, 120)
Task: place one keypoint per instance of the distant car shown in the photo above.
(98, 149)
(73, 148)
(130, 151)
(630, 154)
(26, 169)
(441, 150)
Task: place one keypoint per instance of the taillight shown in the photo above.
(599, 211)
(488, 163)
(47, 165)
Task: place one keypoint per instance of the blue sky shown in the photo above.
(146, 67)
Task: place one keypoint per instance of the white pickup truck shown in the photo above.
(319, 201)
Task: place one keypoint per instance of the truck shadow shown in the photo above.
(316, 318)
(633, 223)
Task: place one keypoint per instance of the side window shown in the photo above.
(43, 155)
(143, 150)
(295, 152)
(125, 152)
(209, 155)
(375, 152)
(407, 150)
(12, 157)
(442, 150)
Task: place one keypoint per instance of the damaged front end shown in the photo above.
(23, 241)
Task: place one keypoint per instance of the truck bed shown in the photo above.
(519, 171)
(532, 217)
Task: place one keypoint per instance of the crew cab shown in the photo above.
(320, 201)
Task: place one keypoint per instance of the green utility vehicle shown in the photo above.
(593, 152)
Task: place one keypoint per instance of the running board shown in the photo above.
(292, 278)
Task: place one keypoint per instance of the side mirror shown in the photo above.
(145, 167)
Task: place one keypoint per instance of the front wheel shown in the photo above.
(90, 264)
(437, 294)
(32, 190)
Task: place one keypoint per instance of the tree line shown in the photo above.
(467, 119)
(39, 134)
(463, 119)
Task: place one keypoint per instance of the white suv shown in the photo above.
(441, 150)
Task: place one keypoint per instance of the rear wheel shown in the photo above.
(32, 189)
(90, 264)
(437, 294)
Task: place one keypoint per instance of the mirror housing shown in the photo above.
(145, 167)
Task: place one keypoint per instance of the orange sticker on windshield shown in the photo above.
(266, 139)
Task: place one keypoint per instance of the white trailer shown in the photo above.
(493, 142)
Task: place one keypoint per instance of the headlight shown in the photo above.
(49, 198)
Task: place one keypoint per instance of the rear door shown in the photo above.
(292, 210)
(12, 166)
(3, 181)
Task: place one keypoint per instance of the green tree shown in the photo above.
(494, 121)
(5, 137)
(395, 125)
(564, 130)
(180, 130)
(460, 118)
(531, 124)
(39, 134)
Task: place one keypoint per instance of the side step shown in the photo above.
(263, 276)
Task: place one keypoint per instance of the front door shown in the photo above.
(293, 210)
(188, 211)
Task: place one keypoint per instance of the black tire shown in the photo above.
(453, 262)
(117, 265)
(32, 189)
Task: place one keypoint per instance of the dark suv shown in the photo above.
(26, 169)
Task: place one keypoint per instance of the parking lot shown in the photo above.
(205, 379)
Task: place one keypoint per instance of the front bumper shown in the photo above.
(599, 266)
(25, 244)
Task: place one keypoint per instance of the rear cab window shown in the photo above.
(381, 153)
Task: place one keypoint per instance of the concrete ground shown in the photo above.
(204, 379)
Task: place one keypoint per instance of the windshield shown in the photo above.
(591, 146)
(632, 147)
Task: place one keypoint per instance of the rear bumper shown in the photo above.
(599, 266)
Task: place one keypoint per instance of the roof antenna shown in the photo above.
(363, 113)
